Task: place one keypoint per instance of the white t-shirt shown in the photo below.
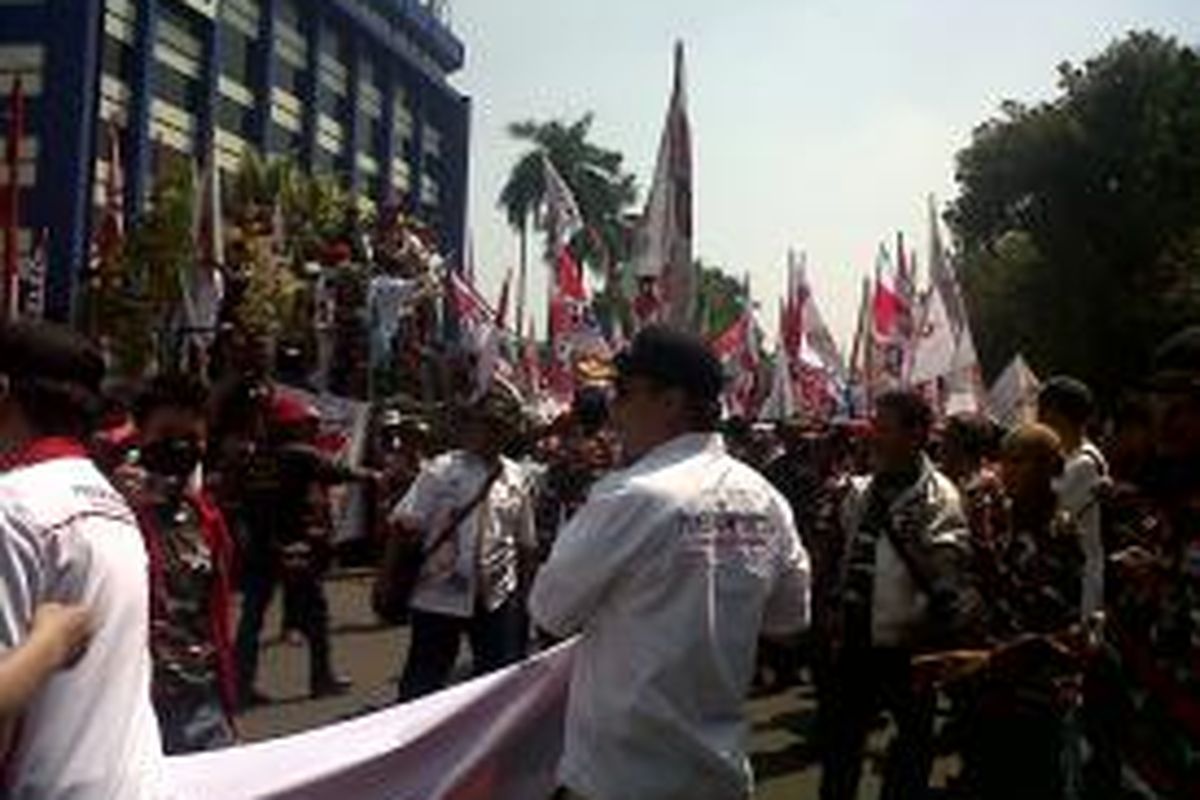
(456, 573)
(1078, 494)
(671, 571)
(66, 535)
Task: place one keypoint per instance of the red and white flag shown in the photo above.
(663, 245)
(109, 236)
(480, 334)
(737, 349)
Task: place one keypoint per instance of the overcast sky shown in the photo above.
(818, 124)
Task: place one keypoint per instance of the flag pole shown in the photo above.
(12, 245)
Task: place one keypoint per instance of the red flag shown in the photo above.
(467, 304)
(12, 204)
(886, 308)
(737, 348)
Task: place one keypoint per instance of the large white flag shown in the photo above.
(1013, 398)
(563, 218)
(497, 737)
(781, 402)
(663, 247)
(936, 341)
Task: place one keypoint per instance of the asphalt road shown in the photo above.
(370, 655)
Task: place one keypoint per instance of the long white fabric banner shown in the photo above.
(498, 737)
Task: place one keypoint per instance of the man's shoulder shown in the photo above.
(54, 492)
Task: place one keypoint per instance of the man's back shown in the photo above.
(671, 571)
(66, 535)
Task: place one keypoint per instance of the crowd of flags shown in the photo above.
(906, 336)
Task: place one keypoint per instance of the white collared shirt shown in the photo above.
(458, 573)
(91, 734)
(671, 572)
(1079, 495)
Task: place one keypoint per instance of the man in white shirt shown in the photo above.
(671, 571)
(472, 578)
(1065, 405)
(67, 536)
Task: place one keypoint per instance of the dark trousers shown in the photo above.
(312, 619)
(497, 639)
(860, 685)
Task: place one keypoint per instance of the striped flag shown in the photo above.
(663, 246)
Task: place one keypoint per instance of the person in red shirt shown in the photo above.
(191, 560)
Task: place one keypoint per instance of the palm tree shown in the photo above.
(604, 191)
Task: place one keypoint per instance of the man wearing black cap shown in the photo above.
(670, 572)
(66, 535)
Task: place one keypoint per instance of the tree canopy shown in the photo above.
(604, 191)
(1078, 221)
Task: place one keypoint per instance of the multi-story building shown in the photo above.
(353, 88)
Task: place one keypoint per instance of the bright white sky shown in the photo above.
(818, 124)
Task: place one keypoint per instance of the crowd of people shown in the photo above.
(1025, 599)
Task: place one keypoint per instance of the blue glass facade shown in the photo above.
(354, 88)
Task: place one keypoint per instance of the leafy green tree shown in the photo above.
(139, 313)
(722, 299)
(1078, 222)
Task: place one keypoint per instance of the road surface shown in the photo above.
(782, 724)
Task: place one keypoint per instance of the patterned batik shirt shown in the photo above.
(185, 658)
(1033, 586)
(1153, 652)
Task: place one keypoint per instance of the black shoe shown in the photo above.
(332, 686)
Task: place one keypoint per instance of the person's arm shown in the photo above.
(591, 551)
(19, 572)
(59, 634)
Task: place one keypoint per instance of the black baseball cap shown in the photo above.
(47, 352)
(673, 359)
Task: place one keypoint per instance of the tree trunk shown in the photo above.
(521, 273)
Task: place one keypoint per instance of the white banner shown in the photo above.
(497, 737)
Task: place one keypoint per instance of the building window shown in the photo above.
(283, 142)
(178, 91)
(234, 117)
(432, 142)
(403, 133)
(237, 56)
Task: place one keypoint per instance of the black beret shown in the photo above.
(49, 352)
(673, 359)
